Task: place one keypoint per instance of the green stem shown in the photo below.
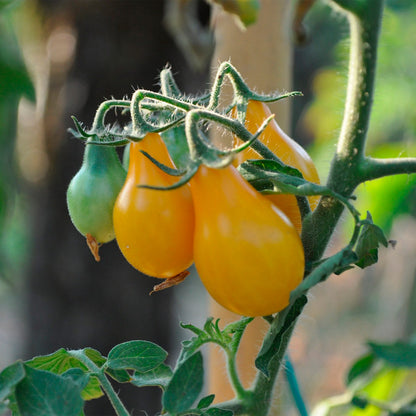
(194, 116)
(103, 109)
(237, 82)
(139, 123)
(264, 386)
(105, 384)
(376, 168)
(344, 174)
(239, 389)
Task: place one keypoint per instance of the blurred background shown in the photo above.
(60, 58)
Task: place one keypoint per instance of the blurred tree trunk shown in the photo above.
(74, 302)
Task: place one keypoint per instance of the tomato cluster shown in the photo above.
(246, 246)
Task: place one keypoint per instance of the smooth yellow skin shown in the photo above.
(288, 151)
(154, 229)
(247, 253)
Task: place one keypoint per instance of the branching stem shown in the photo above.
(105, 383)
(346, 168)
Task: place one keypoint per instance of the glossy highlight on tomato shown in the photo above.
(154, 228)
(248, 255)
(288, 151)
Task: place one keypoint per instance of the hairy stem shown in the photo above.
(345, 173)
(103, 109)
(377, 168)
(264, 386)
(105, 384)
(239, 389)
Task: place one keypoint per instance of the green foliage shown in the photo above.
(59, 383)
(141, 356)
(371, 236)
(361, 366)
(278, 335)
(9, 378)
(379, 382)
(35, 395)
(399, 354)
(14, 83)
(185, 385)
(60, 362)
(159, 376)
(45, 385)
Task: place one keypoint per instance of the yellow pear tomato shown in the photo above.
(247, 253)
(154, 228)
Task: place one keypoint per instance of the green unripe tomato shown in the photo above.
(93, 190)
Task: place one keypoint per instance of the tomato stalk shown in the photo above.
(345, 173)
(104, 382)
(241, 91)
(103, 110)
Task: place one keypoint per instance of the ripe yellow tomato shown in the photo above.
(288, 151)
(248, 255)
(154, 229)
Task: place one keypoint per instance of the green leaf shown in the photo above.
(371, 236)
(57, 362)
(274, 339)
(360, 367)
(13, 406)
(206, 401)
(237, 326)
(338, 261)
(185, 385)
(62, 362)
(15, 80)
(42, 393)
(228, 338)
(91, 388)
(271, 175)
(9, 378)
(77, 376)
(215, 411)
(275, 166)
(121, 376)
(159, 376)
(381, 387)
(136, 355)
(399, 354)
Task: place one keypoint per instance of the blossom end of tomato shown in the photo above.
(170, 282)
(94, 246)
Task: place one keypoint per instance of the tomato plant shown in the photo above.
(154, 228)
(248, 255)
